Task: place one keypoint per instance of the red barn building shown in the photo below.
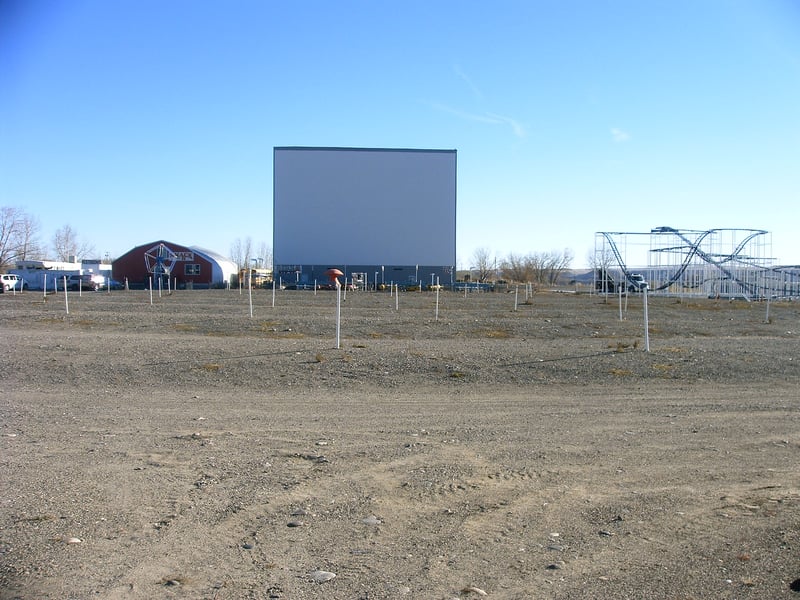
(184, 266)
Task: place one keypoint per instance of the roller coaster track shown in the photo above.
(693, 249)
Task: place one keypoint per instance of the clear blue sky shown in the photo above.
(138, 120)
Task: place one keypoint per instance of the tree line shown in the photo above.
(247, 256)
(20, 239)
(537, 268)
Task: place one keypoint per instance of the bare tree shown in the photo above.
(67, 244)
(265, 255)
(484, 263)
(18, 236)
(242, 253)
(9, 233)
(247, 249)
(236, 252)
(557, 263)
(29, 246)
(517, 268)
(601, 260)
(539, 268)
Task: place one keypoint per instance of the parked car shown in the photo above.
(9, 282)
(86, 282)
(637, 283)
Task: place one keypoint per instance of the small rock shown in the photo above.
(247, 546)
(321, 576)
(371, 520)
(475, 590)
(73, 540)
(294, 524)
(556, 566)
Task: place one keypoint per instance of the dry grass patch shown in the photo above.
(50, 321)
(498, 334)
(84, 322)
(623, 346)
(621, 372)
(210, 367)
(291, 335)
(717, 305)
(222, 333)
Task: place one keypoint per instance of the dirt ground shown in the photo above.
(495, 447)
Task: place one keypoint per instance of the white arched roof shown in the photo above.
(224, 268)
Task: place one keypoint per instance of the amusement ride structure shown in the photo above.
(715, 262)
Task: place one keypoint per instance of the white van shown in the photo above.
(9, 282)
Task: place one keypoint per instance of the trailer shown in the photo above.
(42, 279)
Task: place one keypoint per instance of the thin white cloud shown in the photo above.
(493, 119)
(516, 126)
(466, 79)
(618, 135)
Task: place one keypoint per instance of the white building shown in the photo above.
(47, 274)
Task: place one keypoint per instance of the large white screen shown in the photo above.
(352, 206)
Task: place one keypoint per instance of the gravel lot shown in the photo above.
(186, 449)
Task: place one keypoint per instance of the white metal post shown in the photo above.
(250, 294)
(646, 324)
(338, 311)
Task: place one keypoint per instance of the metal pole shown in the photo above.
(338, 311)
(646, 324)
(250, 294)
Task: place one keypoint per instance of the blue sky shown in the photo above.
(138, 120)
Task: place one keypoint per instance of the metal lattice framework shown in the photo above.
(713, 262)
(159, 260)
